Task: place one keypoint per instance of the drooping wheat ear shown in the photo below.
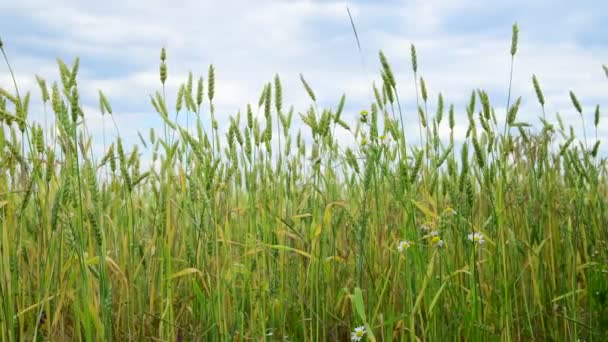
(230, 136)
(596, 148)
(560, 122)
(70, 236)
(387, 88)
(373, 132)
(74, 72)
(92, 216)
(256, 133)
(189, 88)
(414, 59)
(378, 96)
(199, 92)
(64, 124)
(8, 96)
(422, 116)
(514, 39)
(163, 66)
(248, 147)
(386, 68)
(513, 112)
(211, 83)
(423, 92)
(539, 92)
(472, 102)
(487, 108)
(112, 158)
(566, 144)
(479, 155)
(22, 108)
(262, 96)
(451, 116)
(180, 98)
(74, 104)
(14, 150)
(577, 105)
(27, 195)
(311, 94)
(278, 93)
(238, 135)
(416, 167)
(605, 67)
(104, 104)
(351, 159)
(340, 108)
(464, 165)
(43, 89)
(64, 73)
(267, 101)
(91, 179)
(189, 96)
(267, 106)
(440, 105)
(57, 201)
(55, 98)
(444, 157)
(50, 165)
(39, 139)
(249, 116)
(123, 165)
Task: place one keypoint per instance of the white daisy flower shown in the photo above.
(436, 240)
(476, 238)
(357, 334)
(403, 245)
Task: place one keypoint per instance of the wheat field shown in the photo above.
(256, 233)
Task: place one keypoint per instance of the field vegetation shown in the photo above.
(275, 230)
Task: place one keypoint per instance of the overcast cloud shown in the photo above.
(462, 45)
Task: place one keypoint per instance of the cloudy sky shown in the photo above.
(462, 45)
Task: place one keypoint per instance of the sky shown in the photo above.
(462, 45)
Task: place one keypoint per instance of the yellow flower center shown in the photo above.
(476, 238)
(435, 239)
(359, 333)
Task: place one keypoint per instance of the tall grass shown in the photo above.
(257, 233)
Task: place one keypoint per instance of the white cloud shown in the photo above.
(249, 42)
